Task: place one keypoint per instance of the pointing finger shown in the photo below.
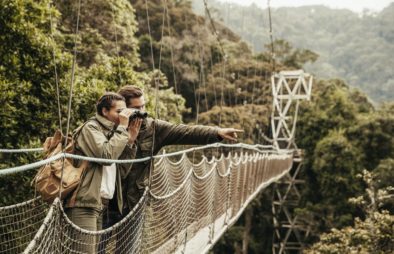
(229, 137)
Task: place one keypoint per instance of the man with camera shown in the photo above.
(155, 134)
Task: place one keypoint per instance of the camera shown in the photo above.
(138, 114)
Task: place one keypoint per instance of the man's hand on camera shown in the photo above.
(229, 133)
(134, 129)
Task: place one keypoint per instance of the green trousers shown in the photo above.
(89, 219)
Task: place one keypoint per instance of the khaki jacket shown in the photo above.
(94, 141)
(165, 134)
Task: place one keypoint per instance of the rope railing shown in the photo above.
(22, 150)
(18, 169)
(40, 149)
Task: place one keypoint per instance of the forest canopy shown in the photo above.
(205, 79)
(355, 47)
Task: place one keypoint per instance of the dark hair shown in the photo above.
(106, 101)
(130, 92)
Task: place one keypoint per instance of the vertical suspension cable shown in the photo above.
(224, 56)
(156, 93)
(214, 29)
(162, 33)
(273, 69)
(152, 164)
(153, 67)
(150, 35)
(73, 70)
(224, 60)
(71, 92)
(171, 48)
(271, 37)
(211, 67)
(55, 69)
(252, 101)
(116, 44)
(222, 89)
(197, 93)
(202, 76)
(214, 84)
(196, 101)
(244, 103)
(69, 109)
(254, 82)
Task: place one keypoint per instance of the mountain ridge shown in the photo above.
(358, 48)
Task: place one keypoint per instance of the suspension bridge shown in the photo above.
(189, 204)
(194, 197)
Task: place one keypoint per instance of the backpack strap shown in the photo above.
(79, 130)
(75, 136)
(110, 133)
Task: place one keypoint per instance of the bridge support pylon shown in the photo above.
(289, 232)
(289, 88)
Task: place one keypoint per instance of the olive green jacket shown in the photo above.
(165, 134)
(96, 139)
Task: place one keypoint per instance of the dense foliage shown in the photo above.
(374, 234)
(36, 55)
(199, 80)
(351, 46)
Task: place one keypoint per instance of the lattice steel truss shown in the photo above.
(288, 89)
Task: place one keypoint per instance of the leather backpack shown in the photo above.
(49, 177)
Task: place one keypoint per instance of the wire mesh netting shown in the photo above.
(19, 223)
(186, 209)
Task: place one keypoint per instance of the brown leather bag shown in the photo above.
(48, 179)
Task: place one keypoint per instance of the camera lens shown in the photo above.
(138, 114)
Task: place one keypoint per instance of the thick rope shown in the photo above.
(22, 150)
(258, 148)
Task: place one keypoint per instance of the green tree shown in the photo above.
(28, 52)
(335, 165)
(27, 73)
(374, 234)
(106, 29)
(373, 133)
(342, 133)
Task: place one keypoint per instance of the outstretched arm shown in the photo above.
(171, 134)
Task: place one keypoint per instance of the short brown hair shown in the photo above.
(107, 100)
(130, 92)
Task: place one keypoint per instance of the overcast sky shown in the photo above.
(354, 5)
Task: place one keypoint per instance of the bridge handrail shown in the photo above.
(258, 148)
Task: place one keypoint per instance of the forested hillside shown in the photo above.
(176, 53)
(356, 48)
